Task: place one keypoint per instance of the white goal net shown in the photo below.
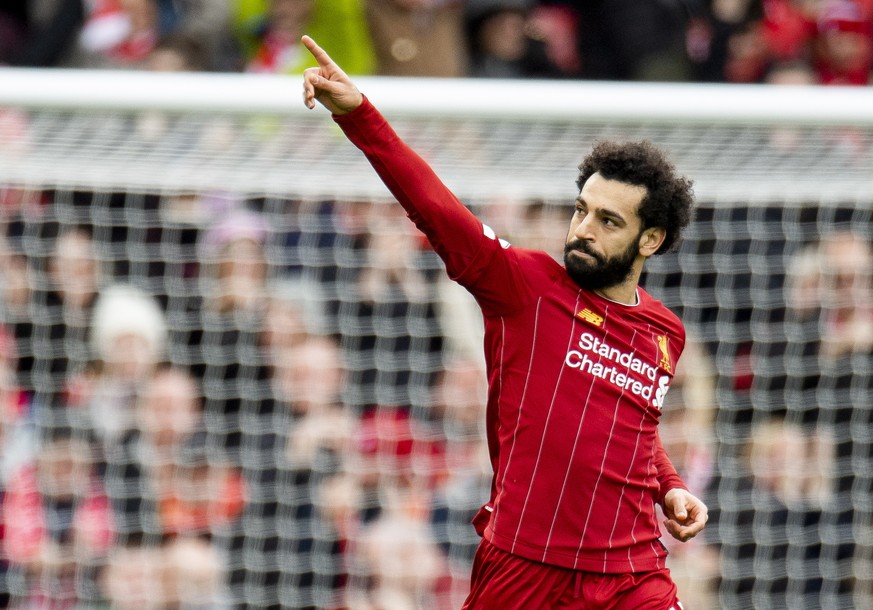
(234, 376)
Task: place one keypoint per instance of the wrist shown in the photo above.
(340, 113)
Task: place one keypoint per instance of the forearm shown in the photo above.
(667, 476)
(453, 231)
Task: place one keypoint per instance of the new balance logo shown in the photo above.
(592, 318)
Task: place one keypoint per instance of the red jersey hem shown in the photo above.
(584, 561)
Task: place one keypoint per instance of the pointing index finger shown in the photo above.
(318, 53)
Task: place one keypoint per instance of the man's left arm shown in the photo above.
(686, 513)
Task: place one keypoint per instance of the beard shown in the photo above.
(603, 272)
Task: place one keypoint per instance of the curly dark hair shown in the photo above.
(669, 197)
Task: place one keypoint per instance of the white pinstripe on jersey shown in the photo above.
(520, 407)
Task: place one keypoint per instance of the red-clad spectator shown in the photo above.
(58, 522)
(119, 33)
(747, 55)
(200, 497)
(396, 450)
(788, 27)
(844, 44)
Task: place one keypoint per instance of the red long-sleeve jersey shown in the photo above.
(576, 382)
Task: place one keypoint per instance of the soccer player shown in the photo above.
(579, 358)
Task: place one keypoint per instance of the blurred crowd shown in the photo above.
(209, 401)
(740, 41)
(214, 402)
(237, 403)
(280, 407)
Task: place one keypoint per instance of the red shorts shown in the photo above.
(507, 582)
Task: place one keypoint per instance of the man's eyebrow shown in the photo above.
(611, 214)
(603, 212)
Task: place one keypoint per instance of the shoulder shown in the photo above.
(540, 269)
(539, 260)
(659, 314)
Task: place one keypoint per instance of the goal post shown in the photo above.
(172, 240)
(708, 128)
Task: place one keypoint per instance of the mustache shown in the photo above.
(582, 246)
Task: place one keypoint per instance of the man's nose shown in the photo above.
(585, 229)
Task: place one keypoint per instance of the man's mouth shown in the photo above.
(585, 252)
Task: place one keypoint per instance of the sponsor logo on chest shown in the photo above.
(645, 375)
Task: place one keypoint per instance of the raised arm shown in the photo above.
(472, 253)
(451, 228)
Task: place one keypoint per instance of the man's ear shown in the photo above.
(651, 239)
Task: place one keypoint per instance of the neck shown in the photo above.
(620, 294)
(625, 292)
